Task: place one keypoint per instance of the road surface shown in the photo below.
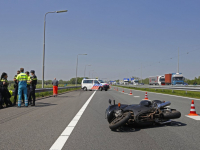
(49, 124)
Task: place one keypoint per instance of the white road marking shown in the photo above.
(136, 96)
(193, 117)
(60, 142)
(125, 93)
(170, 95)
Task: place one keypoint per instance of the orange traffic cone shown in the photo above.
(123, 91)
(192, 110)
(146, 97)
(130, 92)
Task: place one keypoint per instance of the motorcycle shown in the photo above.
(145, 113)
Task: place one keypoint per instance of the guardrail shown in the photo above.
(183, 88)
(51, 89)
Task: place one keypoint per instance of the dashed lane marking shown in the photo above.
(62, 139)
(136, 96)
(169, 95)
(193, 117)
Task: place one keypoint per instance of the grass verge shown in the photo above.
(45, 94)
(191, 94)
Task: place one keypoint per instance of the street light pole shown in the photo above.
(77, 66)
(85, 69)
(44, 42)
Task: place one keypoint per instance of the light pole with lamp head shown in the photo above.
(77, 66)
(44, 42)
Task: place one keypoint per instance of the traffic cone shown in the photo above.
(146, 97)
(123, 91)
(114, 88)
(117, 89)
(131, 92)
(192, 110)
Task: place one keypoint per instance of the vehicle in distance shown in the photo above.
(135, 82)
(94, 84)
(174, 79)
(145, 113)
(157, 80)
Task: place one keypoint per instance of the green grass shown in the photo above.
(38, 86)
(191, 94)
(43, 94)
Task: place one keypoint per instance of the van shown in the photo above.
(94, 84)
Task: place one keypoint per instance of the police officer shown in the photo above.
(33, 84)
(1, 98)
(22, 86)
(28, 86)
(16, 88)
(5, 93)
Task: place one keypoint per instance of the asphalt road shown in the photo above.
(37, 128)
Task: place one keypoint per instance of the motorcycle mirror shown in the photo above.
(110, 101)
(119, 105)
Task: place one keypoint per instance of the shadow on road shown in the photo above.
(135, 128)
(41, 104)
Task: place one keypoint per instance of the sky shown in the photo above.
(122, 38)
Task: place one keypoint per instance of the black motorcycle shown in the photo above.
(145, 113)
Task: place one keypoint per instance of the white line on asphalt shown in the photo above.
(125, 93)
(194, 117)
(136, 96)
(60, 142)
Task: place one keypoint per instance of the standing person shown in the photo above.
(5, 93)
(33, 83)
(15, 88)
(55, 87)
(28, 86)
(22, 86)
(1, 98)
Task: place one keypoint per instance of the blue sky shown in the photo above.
(118, 36)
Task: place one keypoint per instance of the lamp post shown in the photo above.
(77, 66)
(85, 69)
(44, 42)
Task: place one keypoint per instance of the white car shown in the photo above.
(94, 84)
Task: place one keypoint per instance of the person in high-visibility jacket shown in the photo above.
(5, 93)
(22, 86)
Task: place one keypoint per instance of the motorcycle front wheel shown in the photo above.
(119, 121)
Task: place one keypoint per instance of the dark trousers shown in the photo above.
(31, 94)
(15, 96)
(6, 96)
(1, 98)
(28, 93)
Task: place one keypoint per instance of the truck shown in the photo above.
(135, 81)
(126, 81)
(174, 79)
(157, 80)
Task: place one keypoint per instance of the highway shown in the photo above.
(40, 127)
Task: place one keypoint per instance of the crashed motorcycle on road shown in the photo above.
(145, 113)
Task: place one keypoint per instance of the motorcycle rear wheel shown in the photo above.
(119, 121)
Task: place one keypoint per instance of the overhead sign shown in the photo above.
(132, 79)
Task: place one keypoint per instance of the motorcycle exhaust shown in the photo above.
(162, 105)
